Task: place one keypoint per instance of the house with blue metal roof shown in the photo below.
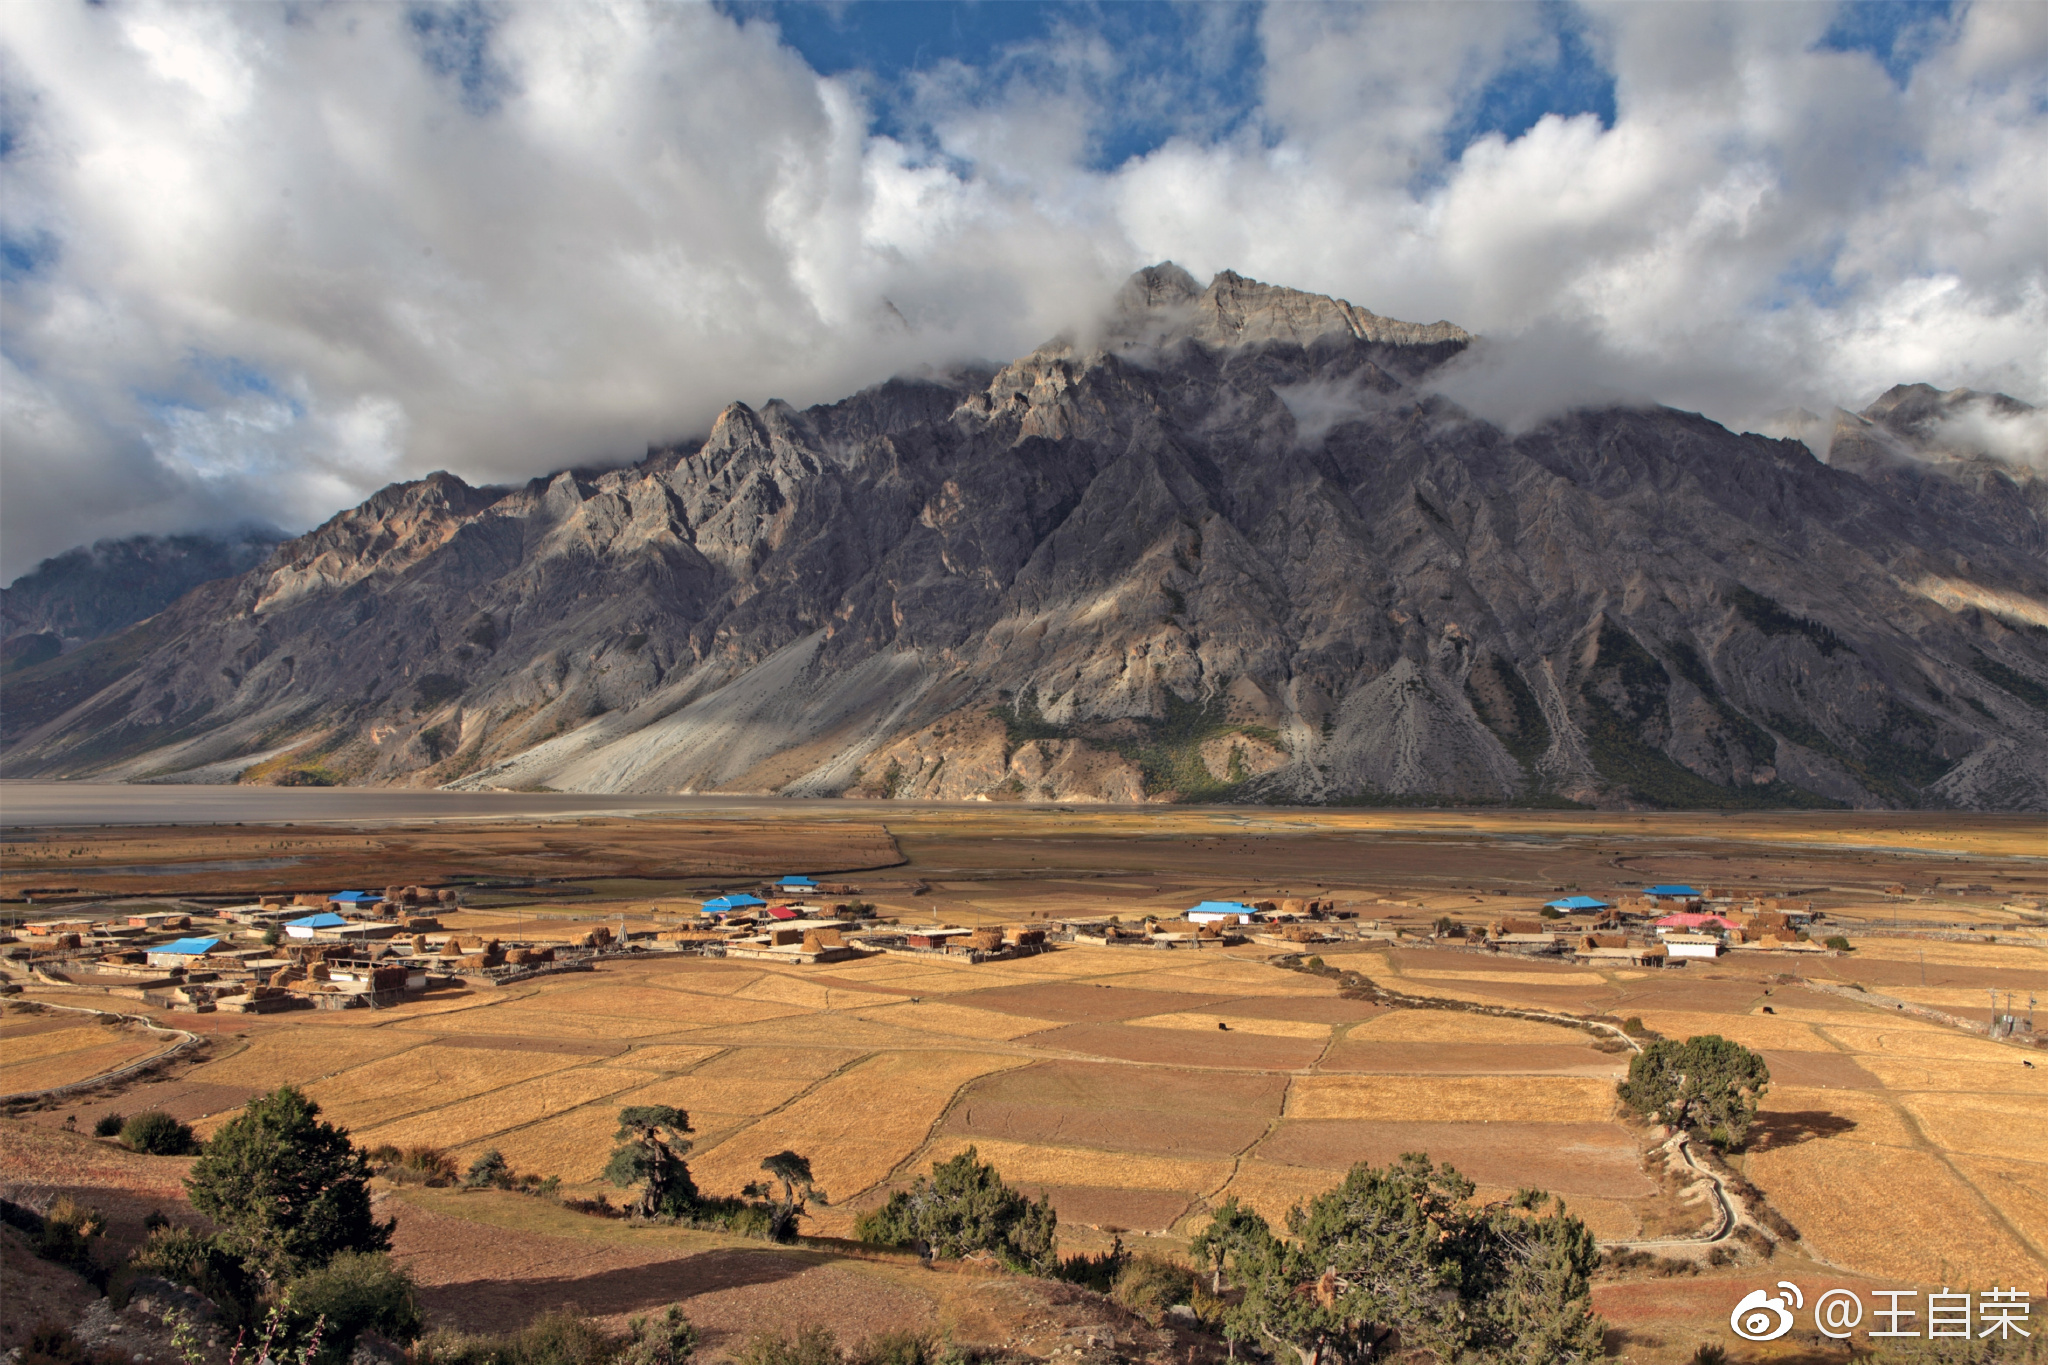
(326, 920)
(1677, 892)
(738, 901)
(1209, 912)
(1571, 903)
(185, 952)
(797, 884)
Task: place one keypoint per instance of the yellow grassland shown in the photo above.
(1750, 1030)
(1876, 1117)
(1452, 1099)
(576, 1143)
(426, 1078)
(857, 1126)
(1206, 1023)
(514, 1106)
(779, 1063)
(680, 1009)
(1889, 1212)
(1035, 1165)
(1448, 1026)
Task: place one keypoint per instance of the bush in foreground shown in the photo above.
(156, 1133)
(964, 1208)
(356, 1292)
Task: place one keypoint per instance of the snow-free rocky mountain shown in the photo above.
(1236, 549)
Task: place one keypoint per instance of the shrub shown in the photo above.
(1098, 1271)
(1710, 1355)
(356, 1292)
(428, 1166)
(52, 1344)
(1837, 942)
(108, 1126)
(199, 1262)
(665, 1340)
(561, 1338)
(487, 1171)
(1148, 1285)
(156, 1133)
(809, 1346)
(67, 1234)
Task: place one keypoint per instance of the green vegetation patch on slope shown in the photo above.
(2012, 680)
(1772, 619)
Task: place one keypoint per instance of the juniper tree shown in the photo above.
(1705, 1084)
(963, 1208)
(287, 1191)
(1235, 1234)
(650, 1154)
(794, 1174)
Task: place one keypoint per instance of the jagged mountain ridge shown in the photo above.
(1234, 549)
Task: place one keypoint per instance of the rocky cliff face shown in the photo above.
(95, 590)
(1233, 548)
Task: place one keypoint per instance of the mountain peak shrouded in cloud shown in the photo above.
(260, 260)
(1239, 546)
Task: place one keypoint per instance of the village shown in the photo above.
(365, 949)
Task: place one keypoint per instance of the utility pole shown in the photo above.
(1994, 1012)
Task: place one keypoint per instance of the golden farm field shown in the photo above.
(1101, 1077)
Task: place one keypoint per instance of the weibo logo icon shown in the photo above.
(1763, 1316)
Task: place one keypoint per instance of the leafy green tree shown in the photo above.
(650, 1154)
(287, 1191)
(1234, 1233)
(353, 1293)
(156, 1133)
(1704, 1084)
(962, 1208)
(1396, 1259)
(109, 1125)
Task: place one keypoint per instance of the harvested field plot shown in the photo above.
(514, 1106)
(1209, 1023)
(1074, 1002)
(2018, 1190)
(94, 1054)
(525, 1042)
(1590, 1159)
(1490, 978)
(1271, 1189)
(1153, 1110)
(1750, 1030)
(2005, 1125)
(663, 1056)
(1928, 1073)
(426, 1077)
(1036, 1165)
(1475, 1059)
(1818, 1071)
(857, 1126)
(182, 1100)
(524, 1017)
(1703, 995)
(1451, 1026)
(1117, 1209)
(1309, 1009)
(1180, 1047)
(1844, 1197)
(19, 1050)
(303, 1052)
(953, 1021)
(1930, 1041)
(1463, 1099)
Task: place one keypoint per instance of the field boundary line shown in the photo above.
(186, 1041)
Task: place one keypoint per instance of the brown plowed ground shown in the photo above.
(1187, 1134)
(1820, 1070)
(1110, 1210)
(1180, 1047)
(1364, 1054)
(1567, 1158)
